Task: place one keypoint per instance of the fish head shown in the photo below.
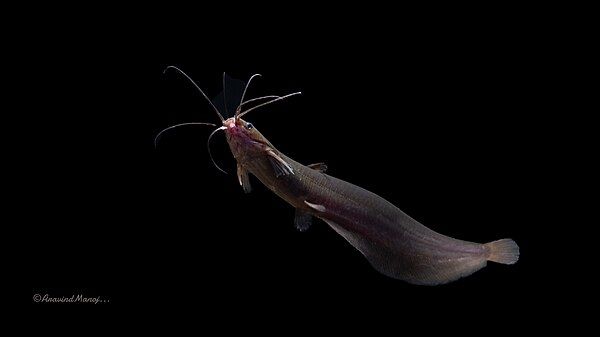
(244, 139)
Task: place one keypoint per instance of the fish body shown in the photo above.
(394, 243)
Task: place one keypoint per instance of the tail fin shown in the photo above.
(503, 251)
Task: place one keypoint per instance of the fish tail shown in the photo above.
(503, 251)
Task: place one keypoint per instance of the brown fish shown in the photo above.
(395, 244)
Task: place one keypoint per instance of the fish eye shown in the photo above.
(249, 126)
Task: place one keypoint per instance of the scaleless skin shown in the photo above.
(395, 244)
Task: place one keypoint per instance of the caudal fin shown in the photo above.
(503, 251)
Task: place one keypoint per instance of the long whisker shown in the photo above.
(269, 102)
(208, 146)
(237, 110)
(256, 99)
(196, 85)
(225, 96)
(156, 139)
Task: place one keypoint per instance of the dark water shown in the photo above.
(435, 114)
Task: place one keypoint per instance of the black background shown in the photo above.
(433, 109)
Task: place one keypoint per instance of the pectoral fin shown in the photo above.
(302, 220)
(279, 165)
(244, 179)
(321, 167)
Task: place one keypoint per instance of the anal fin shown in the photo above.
(411, 264)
